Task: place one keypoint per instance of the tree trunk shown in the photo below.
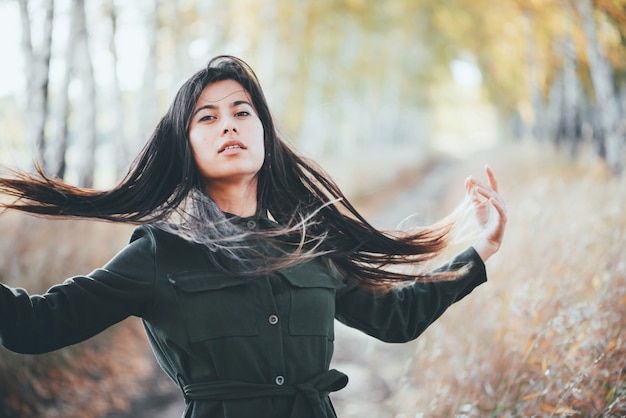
(122, 158)
(606, 96)
(63, 107)
(534, 86)
(148, 96)
(571, 89)
(554, 114)
(86, 129)
(37, 77)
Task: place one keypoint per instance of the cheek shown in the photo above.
(193, 140)
(260, 135)
(197, 142)
(197, 154)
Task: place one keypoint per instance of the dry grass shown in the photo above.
(545, 337)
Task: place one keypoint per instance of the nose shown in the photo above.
(229, 125)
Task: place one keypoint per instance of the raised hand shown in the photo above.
(490, 213)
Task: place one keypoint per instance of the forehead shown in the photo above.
(224, 91)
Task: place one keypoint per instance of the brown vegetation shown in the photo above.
(545, 336)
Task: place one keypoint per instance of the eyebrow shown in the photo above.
(212, 106)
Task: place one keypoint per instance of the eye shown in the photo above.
(206, 118)
(242, 114)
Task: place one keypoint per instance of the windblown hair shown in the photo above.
(164, 187)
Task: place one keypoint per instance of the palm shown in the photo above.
(489, 210)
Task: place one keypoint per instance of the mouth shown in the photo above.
(231, 145)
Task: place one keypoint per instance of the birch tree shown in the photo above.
(86, 128)
(121, 147)
(571, 93)
(37, 61)
(148, 95)
(603, 84)
(534, 79)
(59, 155)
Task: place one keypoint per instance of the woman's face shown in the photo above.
(226, 135)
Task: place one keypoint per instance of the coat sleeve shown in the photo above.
(404, 313)
(82, 306)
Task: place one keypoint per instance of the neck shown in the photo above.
(235, 198)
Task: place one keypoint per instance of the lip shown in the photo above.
(232, 143)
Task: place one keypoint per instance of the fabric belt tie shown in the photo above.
(308, 396)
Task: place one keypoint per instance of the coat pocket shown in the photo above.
(312, 309)
(213, 305)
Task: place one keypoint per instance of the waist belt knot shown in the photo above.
(307, 396)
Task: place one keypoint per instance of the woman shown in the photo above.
(245, 255)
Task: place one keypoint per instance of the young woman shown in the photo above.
(244, 255)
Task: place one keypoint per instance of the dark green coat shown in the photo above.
(238, 348)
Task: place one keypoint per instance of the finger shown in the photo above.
(470, 188)
(469, 182)
(501, 209)
(487, 193)
(491, 177)
(473, 182)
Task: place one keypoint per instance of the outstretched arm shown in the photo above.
(404, 313)
(490, 213)
(80, 307)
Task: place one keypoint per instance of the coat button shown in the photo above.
(280, 380)
(251, 224)
(273, 319)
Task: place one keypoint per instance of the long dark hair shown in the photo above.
(308, 206)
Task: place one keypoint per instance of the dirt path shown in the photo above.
(375, 369)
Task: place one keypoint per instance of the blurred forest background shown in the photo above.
(377, 92)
